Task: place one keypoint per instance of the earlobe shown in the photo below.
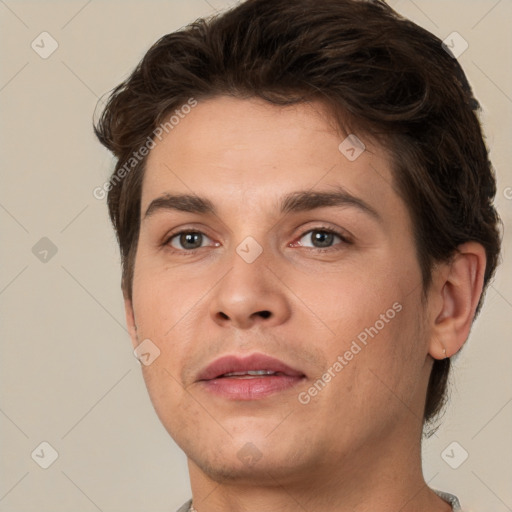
(438, 350)
(458, 288)
(130, 321)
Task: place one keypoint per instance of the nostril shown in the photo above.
(264, 314)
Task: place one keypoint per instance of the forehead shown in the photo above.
(226, 147)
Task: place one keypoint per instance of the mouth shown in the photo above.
(249, 378)
(250, 374)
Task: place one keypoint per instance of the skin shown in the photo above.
(356, 445)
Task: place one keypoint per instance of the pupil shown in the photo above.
(323, 238)
(190, 238)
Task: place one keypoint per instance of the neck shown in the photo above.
(381, 477)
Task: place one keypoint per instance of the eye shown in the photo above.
(187, 240)
(321, 238)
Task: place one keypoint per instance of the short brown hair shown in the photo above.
(381, 76)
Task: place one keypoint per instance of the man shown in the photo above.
(303, 203)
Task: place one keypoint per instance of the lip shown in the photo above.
(244, 388)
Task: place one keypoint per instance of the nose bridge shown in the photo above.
(250, 292)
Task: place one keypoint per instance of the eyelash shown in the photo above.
(189, 252)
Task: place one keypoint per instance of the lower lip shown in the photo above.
(252, 388)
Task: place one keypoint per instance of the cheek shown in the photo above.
(162, 310)
(353, 300)
(378, 334)
(396, 358)
(162, 298)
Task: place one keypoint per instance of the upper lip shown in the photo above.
(234, 363)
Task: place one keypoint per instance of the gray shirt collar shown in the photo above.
(449, 498)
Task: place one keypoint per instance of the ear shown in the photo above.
(130, 321)
(457, 287)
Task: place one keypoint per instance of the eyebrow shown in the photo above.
(298, 201)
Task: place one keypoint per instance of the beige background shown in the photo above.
(68, 376)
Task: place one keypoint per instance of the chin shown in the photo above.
(249, 458)
(254, 467)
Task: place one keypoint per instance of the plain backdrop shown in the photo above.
(68, 376)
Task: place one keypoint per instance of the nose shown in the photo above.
(250, 294)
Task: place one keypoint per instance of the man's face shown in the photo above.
(332, 291)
